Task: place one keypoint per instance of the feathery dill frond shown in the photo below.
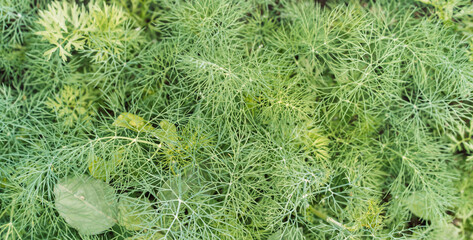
(253, 119)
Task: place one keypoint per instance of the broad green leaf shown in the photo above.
(447, 231)
(173, 189)
(154, 236)
(290, 233)
(176, 189)
(418, 204)
(133, 122)
(178, 186)
(167, 133)
(86, 204)
(133, 213)
(100, 168)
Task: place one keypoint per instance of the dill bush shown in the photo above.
(256, 119)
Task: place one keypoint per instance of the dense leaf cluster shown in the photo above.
(256, 119)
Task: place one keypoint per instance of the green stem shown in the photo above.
(326, 218)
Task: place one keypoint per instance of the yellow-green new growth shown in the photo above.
(71, 105)
(100, 30)
(65, 26)
(133, 122)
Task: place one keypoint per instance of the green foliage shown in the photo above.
(458, 13)
(65, 25)
(132, 122)
(133, 213)
(98, 30)
(72, 105)
(257, 119)
(88, 205)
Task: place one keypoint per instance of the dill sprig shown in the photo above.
(252, 119)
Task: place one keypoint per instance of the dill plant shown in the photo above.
(252, 119)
